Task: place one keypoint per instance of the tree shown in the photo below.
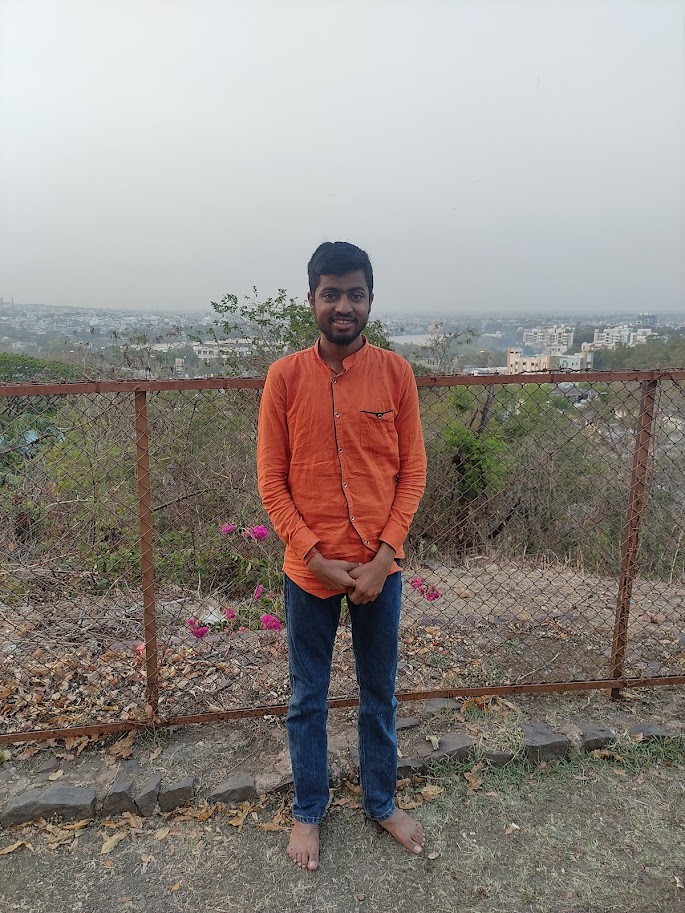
(274, 327)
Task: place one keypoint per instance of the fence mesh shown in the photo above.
(523, 549)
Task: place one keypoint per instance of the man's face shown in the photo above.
(341, 306)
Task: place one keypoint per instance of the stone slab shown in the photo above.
(120, 797)
(650, 732)
(455, 745)
(70, 803)
(544, 744)
(146, 797)
(594, 737)
(240, 787)
(179, 793)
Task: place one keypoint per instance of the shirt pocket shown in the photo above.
(377, 431)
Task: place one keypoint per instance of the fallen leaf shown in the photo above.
(430, 792)
(434, 740)
(678, 884)
(5, 754)
(56, 774)
(124, 747)
(162, 833)
(601, 753)
(76, 825)
(107, 862)
(176, 886)
(406, 803)
(475, 782)
(109, 845)
(15, 846)
(511, 828)
(360, 895)
(156, 753)
(135, 821)
(638, 737)
(433, 855)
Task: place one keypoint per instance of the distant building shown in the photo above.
(623, 335)
(518, 363)
(645, 319)
(558, 337)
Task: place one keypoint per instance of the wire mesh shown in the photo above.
(522, 563)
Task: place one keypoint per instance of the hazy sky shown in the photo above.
(490, 156)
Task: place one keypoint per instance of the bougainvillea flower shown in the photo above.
(140, 649)
(432, 594)
(416, 582)
(259, 532)
(270, 623)
(196, 629)
(230, 613)
(227, 528)
(258, 590)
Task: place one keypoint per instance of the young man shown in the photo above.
(341, 467)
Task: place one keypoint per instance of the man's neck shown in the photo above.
(334, 355)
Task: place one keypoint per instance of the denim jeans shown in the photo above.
(311, 624)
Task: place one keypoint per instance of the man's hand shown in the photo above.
(332, 572)
(370, 578)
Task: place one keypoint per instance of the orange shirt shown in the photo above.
(341, 462)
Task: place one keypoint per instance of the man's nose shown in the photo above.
(343, 304)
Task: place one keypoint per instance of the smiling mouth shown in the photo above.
(342, 321)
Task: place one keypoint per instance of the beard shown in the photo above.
(340, 336)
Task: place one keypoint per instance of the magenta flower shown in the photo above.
(229, 613)
(432, 594)
(416, 582)
(270, 623)
(258, 590)
(259, 532)
(227, 529)
(140, 649)
(196, 629)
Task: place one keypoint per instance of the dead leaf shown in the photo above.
(76, 825)
(162, 833)
(176, 886)
(433, 855)
(239, 815)
(511, 828)
(135, 821)
(124, 747)
(431, 792)
(638, 737)
(679, 886)
(360, 895)
(602, 753)
(15, 846)
(56, 774)
(109, 845)
(406, 803)
(434, 740)
(156, 753)
(471, 776)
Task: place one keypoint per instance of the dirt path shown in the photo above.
(585, 836)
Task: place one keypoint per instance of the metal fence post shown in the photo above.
(631, 528)
(146, 550)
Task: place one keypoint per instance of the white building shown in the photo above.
(544, 338)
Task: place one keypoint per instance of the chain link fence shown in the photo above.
(140, 579)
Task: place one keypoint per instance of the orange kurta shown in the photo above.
(341, 462)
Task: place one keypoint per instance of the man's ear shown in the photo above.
(310, 299)
(370, 301)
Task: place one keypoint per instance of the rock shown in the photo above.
(178, 793)
(650, 732)
(269, 781)
(146, 798)
(120, 797)
(238, 788)
(408, 722)
(442, 703)
(543, 743)
(48, 766)
(594, 737)
(498, 758)
(408, 766)
(71, 803)
(455, 745)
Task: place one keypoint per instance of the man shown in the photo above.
(341, 467)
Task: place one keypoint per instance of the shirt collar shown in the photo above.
(348, 362)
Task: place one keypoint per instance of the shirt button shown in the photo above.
(339, 449)
(367, 542)
(345, 486)
(337, 415)
(351, 518)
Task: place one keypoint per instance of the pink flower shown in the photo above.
(229, 613)
(259, 532)
(270, 623)
(416, 582)
(227, 528)
(259, 589)
(140, 650)
(432, 594)
(196, 629)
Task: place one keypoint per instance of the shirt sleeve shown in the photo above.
(273, 464)
(411, 482)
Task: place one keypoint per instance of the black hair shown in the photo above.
(337, 258)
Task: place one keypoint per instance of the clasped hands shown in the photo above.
(362, 581)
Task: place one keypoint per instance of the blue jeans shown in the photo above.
(311, 624)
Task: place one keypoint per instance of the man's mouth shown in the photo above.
(342, 321)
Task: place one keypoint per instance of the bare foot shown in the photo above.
(405, 830)
(303, 846)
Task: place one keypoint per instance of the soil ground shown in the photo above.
(581, 836)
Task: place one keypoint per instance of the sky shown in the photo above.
(491, 157)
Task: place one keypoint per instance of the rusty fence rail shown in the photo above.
(140, 580)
